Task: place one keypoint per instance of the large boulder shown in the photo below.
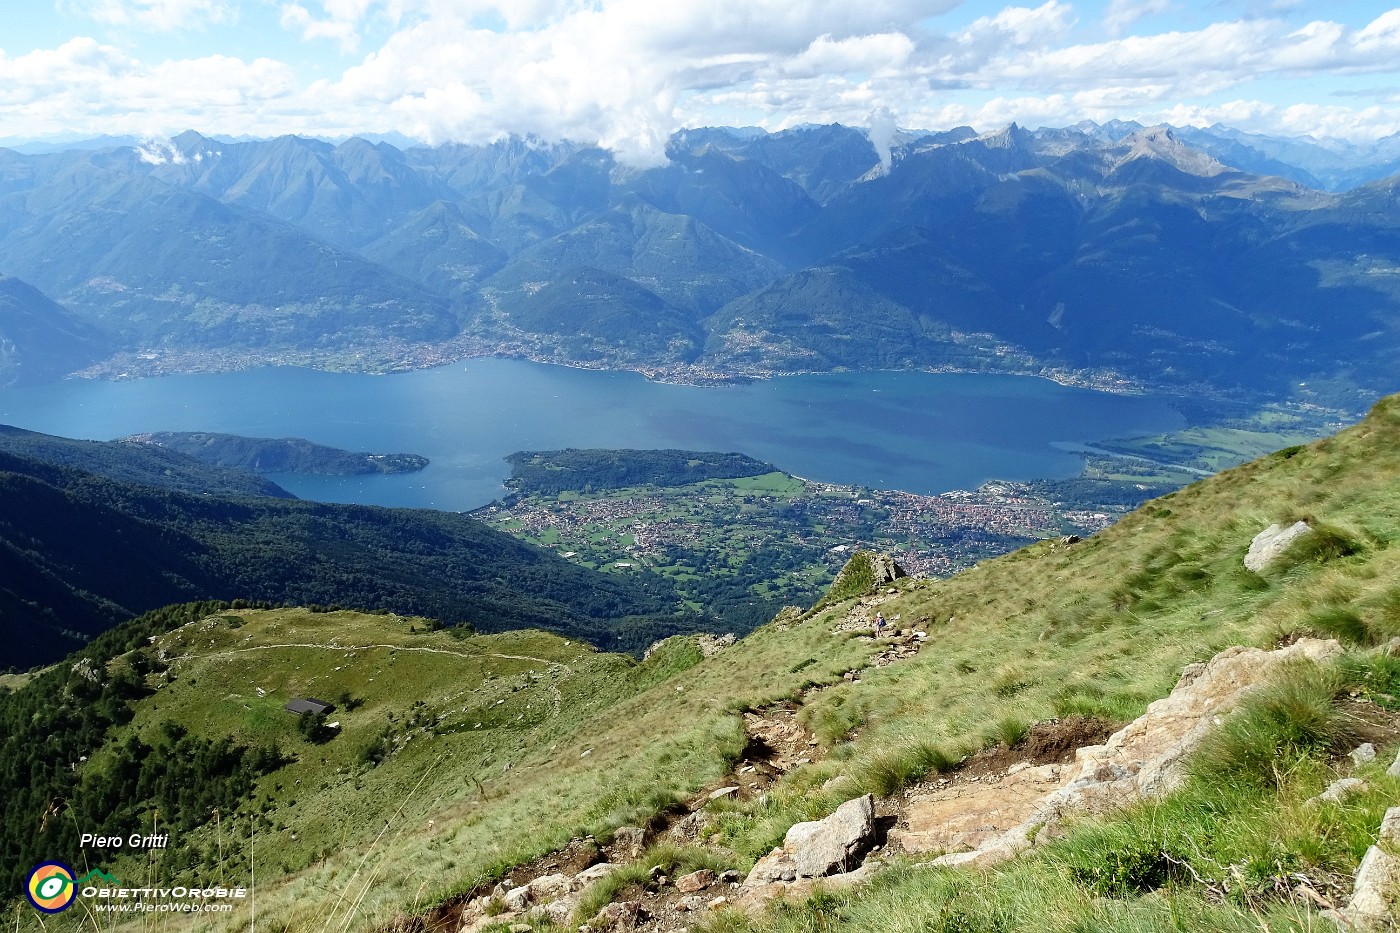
(823, 847)
(1270, 543)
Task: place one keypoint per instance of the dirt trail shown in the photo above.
(335, 647)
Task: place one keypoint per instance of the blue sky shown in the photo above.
(626, 73)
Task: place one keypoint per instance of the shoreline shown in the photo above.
(388, 360)
(393, 357)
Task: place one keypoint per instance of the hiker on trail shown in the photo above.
(879, 624)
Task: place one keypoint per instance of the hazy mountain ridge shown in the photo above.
(40, 340)
(1114, 251)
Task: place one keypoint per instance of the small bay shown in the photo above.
(919, 432)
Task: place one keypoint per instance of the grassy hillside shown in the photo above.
(79, 551)
(1100, 627)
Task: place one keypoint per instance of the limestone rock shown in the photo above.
(884, 569)
(558, 911)
(628, 842)
(695, 881)
(835, 844)
(548, 887)
(754, 897)
(516, 899)
(1394, 769)
(777, 865)
(593, 873)
(543, 889)
(1143, 759)
(822, 847)
(1375, 896)
(711, 645)
(480, 921)
(620, 915)
(964, 816)
(1338, 791)
(1363, 754)
(1271, 542)
(690, 902)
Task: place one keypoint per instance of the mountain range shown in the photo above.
(1205, 260)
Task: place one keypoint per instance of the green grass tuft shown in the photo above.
(1340, 623)
(893, 769)
(1275, 728)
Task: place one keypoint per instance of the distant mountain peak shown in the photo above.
(1011, 136)
(1162, 144)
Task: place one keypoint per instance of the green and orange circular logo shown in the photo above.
(51, 887)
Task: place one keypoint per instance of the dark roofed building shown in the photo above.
(308, 705)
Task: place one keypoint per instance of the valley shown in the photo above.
(459, 758)
(638, 594)
(745, 548)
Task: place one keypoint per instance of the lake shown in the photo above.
(920, 432)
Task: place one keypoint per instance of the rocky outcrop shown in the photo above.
(1337, 791)
(883, 569)
(824, 847)
(1375, 896)
(1270, 543)
(711, 645)
(988, 824)
(628, 842)
(865, 571)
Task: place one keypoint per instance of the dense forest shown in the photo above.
(550, 472)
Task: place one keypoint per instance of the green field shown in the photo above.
(1223, 442)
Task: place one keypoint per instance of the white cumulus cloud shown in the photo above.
(628, 73)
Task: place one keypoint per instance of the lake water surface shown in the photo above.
(915, 431)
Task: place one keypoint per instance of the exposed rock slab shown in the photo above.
(966, 816)
(1272, 542)
(1375, 897)
(1143, 759)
